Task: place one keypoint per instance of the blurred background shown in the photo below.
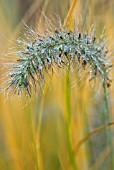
(33, 136)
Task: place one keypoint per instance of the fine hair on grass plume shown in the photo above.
(38, 54)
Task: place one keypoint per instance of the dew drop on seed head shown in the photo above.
(19, 41)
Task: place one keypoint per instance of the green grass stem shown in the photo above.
(107, 120)
(68, 121)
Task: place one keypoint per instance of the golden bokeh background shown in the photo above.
(32, 135)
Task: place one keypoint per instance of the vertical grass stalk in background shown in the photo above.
(38, 128)
(68, 120)
(107, 120)
(73, 4)
(67, 97)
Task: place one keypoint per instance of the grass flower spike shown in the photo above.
(38, 54)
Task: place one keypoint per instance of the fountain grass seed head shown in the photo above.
(37, 54)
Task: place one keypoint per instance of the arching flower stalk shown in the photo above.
(37, 55)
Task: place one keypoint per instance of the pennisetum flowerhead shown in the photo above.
(38, 54)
